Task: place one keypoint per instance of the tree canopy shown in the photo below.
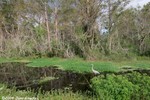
(69, 28)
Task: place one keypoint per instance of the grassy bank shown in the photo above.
(130, 84)
(80, 65)
(52, 95)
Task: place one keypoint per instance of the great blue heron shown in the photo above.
(94, 71)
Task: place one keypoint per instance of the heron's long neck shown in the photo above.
(92, 67)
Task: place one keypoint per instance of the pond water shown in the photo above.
(48, 78)
(22, 77)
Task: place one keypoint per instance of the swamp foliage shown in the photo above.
(129, 86)
(132, 86)
(90, 29)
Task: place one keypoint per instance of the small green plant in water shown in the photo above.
(46, 79)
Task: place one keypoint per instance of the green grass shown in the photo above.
(77, 65)
(80, 65)
(140, 64)
(52, 95)
(3, 60)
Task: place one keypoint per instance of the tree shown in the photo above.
(89, 12)
(143, 30)
(115, 7)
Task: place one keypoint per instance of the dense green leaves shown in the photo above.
(133, 86)
(143, 82)
(113, 87)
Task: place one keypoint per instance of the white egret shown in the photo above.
(94, 71)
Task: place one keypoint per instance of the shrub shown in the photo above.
(142, 81)
(113, 87)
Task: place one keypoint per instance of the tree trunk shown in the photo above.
(109, 27)
(48, 29)
(56, 25)
(1, 42)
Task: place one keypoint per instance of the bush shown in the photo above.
(134, 86)
(142, 81)
(113, 87)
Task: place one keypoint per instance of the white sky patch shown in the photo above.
(136, 3)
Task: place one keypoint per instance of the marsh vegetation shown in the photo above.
(53, 78)
(47, 48)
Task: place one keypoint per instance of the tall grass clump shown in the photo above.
(49, 95)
